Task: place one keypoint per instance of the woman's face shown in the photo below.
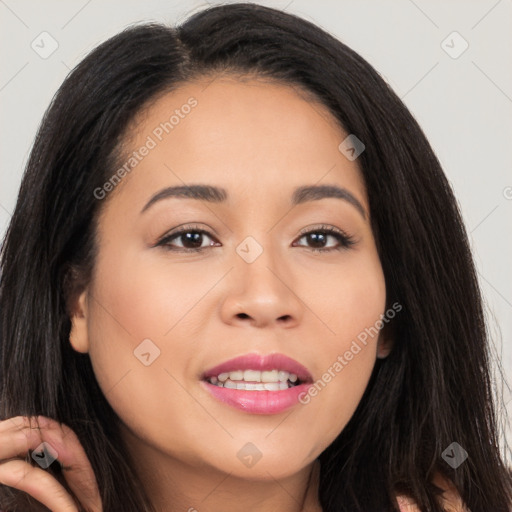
(159, 313)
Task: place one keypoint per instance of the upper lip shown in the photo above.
(261, 362)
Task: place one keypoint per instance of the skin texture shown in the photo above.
(259, 141)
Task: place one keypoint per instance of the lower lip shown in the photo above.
(258, 402)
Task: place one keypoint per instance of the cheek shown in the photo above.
(348, 298)
(351, 303)
(135, 300)
(145, 299)
(129, 305)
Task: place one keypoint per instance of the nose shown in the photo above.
(262, 294)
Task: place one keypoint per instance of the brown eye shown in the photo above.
(318, 238)
(192, 239)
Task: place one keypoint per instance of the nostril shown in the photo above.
(242, 315)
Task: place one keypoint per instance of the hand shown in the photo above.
(20, 434)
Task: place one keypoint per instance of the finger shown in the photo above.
(17, 437)
(76, 467)
(9, 423)
(24, 433)
(37, 483)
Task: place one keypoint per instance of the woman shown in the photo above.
(179, 331)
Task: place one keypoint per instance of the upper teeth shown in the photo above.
(255, 376)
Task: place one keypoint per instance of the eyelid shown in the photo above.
(345, 240)
(184, 228)
(322, 227)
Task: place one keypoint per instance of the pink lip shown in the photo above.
(259, 362)
(259, 402)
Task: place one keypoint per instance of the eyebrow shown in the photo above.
(218, 195)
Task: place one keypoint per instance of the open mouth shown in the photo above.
(258, 384)
(255, 380)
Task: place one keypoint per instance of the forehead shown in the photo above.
(251, 136)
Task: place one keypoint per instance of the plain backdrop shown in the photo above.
(449, 61)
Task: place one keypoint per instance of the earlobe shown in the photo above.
(385, 342)
(383, 350)
(78, 336)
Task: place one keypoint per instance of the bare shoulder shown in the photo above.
(452, 502)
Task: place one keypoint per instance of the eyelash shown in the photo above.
(346, 241)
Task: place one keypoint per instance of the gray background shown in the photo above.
(463, 104)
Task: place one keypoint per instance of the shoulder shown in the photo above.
(452, 502)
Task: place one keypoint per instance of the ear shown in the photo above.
(78, 336)
(385, 341)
